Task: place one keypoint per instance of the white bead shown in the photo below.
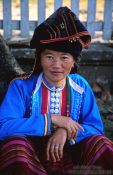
(52, 105)
(57, 100)
(53, 100)
(56, 111)
(52, 111)
(57, 105)
(52, 94)
(58, 89)
(57, 94)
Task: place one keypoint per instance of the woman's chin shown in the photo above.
(57, 81)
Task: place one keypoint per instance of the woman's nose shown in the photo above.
(57, 62)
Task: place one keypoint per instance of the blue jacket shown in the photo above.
(20, 112)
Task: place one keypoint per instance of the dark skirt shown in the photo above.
(26, 156)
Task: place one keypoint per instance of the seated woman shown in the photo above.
(49, 121)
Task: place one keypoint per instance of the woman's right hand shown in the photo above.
(55, 146)
(66, 122)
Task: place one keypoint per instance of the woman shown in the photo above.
(49, 121)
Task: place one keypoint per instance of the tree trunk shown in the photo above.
(9, 68)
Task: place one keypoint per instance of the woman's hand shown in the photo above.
(70, 125)
(55, 145)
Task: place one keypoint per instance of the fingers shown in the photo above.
(80, 127)
(47, 151)
(61, 151)
(72, 141)
(72, 130)
(50, 150)
(58, 151)
(54, 152)
(72, 126)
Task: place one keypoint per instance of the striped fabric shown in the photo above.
(19, 151)
(29, 155)
(94, 155)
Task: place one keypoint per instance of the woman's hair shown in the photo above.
(37, 69)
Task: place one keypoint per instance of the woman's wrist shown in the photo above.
(64, 131)
(54, 119)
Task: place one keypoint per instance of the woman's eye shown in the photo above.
(49, 57)
(65, 58)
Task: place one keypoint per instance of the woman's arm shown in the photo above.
(90, 118)
(12, 111)
(67, 123)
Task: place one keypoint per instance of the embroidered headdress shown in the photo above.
(62, 31)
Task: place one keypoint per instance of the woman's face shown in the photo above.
(56, 65)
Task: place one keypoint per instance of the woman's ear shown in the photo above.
(74, 63)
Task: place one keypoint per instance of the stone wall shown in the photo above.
(97, 63)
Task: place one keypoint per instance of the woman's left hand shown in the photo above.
(55, 145)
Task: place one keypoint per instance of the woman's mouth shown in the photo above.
(56, 73)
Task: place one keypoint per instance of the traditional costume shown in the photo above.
(25, 113)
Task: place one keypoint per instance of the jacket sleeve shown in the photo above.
(12, 111)
(90, 118)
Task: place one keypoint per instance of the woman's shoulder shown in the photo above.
(79, 80)
(25, 81)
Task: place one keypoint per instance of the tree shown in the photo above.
(9, 67)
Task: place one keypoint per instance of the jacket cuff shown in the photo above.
(47, 130)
